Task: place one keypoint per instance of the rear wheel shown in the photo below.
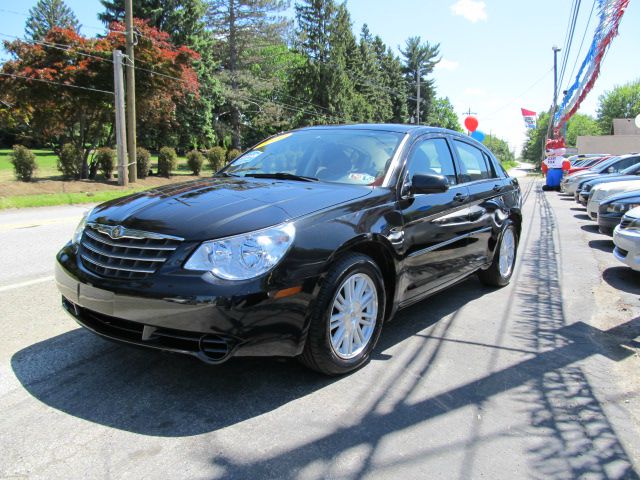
(347, 317)
(501, 269)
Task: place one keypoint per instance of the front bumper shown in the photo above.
(627, 247)
(210, 323)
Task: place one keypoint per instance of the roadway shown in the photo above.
(535, 380)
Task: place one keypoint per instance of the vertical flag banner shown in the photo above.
(529, 118)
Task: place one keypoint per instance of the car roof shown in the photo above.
(386, 127)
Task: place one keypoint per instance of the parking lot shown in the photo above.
(535, 380)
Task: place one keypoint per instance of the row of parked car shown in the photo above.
(609, 187)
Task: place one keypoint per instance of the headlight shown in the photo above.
(620, 207)
(77, 234)
(243, 256)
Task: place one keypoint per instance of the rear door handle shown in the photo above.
(460, 197)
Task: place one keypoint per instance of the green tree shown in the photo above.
(242, 26)
(443, 115)
(323, 85)
(48, 14)
(580, 124)
(420, 58)
(621, 102)
(533, 148)
(500, 149)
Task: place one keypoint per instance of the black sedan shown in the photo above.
(611, 211)
(303, 246)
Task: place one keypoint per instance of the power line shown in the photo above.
(58, 46)
(55, 83)
(584, 35)
(569, 41)
(520, 94)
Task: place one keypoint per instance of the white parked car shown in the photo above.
(626, 236)
(605, 190)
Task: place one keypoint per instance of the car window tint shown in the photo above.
(432, 156)
(472, 162)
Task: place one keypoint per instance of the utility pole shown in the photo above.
(418, 99)
(555, 91)
(121, 128)
(131, 92)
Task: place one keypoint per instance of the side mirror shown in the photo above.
(428, 184)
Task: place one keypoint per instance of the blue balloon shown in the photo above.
(478, 135)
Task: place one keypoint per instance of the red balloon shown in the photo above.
(471, 123)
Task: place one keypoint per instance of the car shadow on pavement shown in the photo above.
(578, 209)
(623, 278)
(582, 216)
(163, 394)
(602, 245)
(591, 228)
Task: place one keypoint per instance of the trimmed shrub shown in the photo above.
(143, 162)
(24, 163)
(106, 160)
(70, 161)
(167, 161)
(216, 157)
(194, 161)
(233, 153)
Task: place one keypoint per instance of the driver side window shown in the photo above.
(432, 157)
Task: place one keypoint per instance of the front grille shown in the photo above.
(625, 222)
(132, 254)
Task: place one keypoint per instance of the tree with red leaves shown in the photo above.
(37, 86)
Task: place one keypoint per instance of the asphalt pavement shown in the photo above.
(535, 380)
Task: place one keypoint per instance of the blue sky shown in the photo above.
(496, 55)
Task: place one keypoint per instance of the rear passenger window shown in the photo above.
(493, 173)
(432, 156)
(472, 162)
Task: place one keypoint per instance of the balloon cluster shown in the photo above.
(471, 123)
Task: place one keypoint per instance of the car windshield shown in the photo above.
(633, 169)
(360, 157)
(601, 167)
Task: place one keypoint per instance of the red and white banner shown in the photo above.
(529, 118)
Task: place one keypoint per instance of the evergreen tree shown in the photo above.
(324, 37)
(244, 27)
(48, 14)
(420, 57)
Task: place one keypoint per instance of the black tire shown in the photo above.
(319, 354)
(492, 276)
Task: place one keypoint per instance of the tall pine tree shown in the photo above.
(419, 61)
(48, 14)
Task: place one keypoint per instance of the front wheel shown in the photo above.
(501, 269)
(347, 317)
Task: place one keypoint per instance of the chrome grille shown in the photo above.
(625, 222)
(124, 253)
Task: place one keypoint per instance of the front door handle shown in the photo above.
(460, 197)
(497, 188)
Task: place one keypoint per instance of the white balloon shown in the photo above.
(638, 120)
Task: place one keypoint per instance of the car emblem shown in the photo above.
(116, 232)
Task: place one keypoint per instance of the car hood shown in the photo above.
(632, 196)
(220, 207)
(612, 178)
(608, 189)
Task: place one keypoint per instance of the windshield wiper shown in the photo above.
(225, 174)
(282, 176)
